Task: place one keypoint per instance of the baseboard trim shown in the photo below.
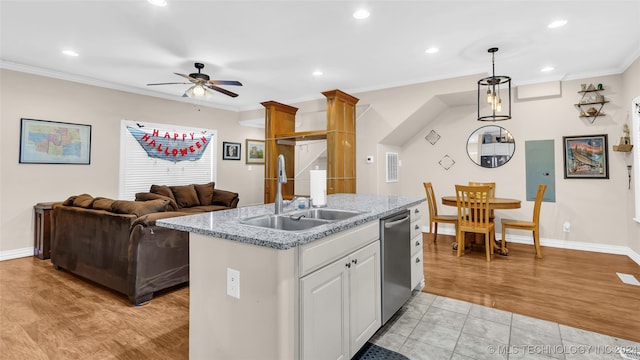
(16, 253)
(561, 244)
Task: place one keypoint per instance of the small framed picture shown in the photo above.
(255, 151)
(586, 157)
(230, 151)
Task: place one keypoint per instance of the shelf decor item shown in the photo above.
(625, 141)
(586, 157)
(52, 142)
(255, 151)
(230, 150)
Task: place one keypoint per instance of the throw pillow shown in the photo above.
(139, 208)
(83, 201)
(185, 195)
(163, 190)
(224, 198)
(205, 192)
(102, 203)
(146, 196)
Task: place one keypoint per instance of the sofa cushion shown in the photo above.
(205, 192)
(185, 195)
(102, 203)
(139, 208)
(146, 196)
(83, 201)
(224, 198)
(163, 190)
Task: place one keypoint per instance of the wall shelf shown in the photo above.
(591, 103)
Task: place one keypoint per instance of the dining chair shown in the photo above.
(473, 216)
(533, 225)
(434, 218)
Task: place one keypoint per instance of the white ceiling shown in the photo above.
(273, 47)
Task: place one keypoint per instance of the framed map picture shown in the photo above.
(52, 142)
(255, 152)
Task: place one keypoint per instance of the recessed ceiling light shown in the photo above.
(432, 50)
(361, 14)
(158, 2)
(547, 69)
(317, 73)
(70, 53)
(557, 24)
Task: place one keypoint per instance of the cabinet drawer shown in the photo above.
(318, 253)
(416, 229)
(417, 268)
(416, 244)
(416, 213)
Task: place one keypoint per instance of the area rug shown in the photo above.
(374, 352)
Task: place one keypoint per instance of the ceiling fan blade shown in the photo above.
(218, 89)
(225, 82)
(171, 83)
(193, 80)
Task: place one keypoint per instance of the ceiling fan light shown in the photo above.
(198, 90)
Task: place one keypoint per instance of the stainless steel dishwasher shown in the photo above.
(396, 265)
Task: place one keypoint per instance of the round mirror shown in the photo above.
(491, 146)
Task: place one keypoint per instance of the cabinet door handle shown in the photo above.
(417, 260)
(418, 243)
(417, 227)
(355, 261)
(417, 211)
(347, 265)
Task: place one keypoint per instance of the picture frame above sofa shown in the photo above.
(231, 150)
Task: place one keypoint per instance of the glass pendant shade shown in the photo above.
(494, 108)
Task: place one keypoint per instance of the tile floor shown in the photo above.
(436, 327)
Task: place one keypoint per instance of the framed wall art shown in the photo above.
(586, 157)
(230, 150)
(52, 142)
(255, 151)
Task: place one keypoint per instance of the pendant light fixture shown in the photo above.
(494, 95)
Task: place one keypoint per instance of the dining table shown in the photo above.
(496, 203)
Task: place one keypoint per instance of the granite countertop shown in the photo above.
(226, 224)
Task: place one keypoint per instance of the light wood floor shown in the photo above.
(49, 314)
(570, 287)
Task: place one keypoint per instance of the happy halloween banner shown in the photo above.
(171, 146)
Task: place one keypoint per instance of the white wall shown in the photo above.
(631, 89)
(24, 185)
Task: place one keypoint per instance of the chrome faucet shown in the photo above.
(282, 179)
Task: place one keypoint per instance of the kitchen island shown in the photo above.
(261, 293)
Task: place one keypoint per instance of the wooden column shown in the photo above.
(279, 119)
(341, 142)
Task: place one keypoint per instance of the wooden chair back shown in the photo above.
(473, 205)
(492, 190)
(431, 200)
(536, 207)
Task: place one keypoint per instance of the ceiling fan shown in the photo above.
(201, 82)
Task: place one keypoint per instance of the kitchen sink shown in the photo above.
(284, 222)
(327, 214)
(299, 220)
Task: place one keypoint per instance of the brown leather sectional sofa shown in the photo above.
(117, 244)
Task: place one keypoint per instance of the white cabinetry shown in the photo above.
(340, 294)
(417, 267)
